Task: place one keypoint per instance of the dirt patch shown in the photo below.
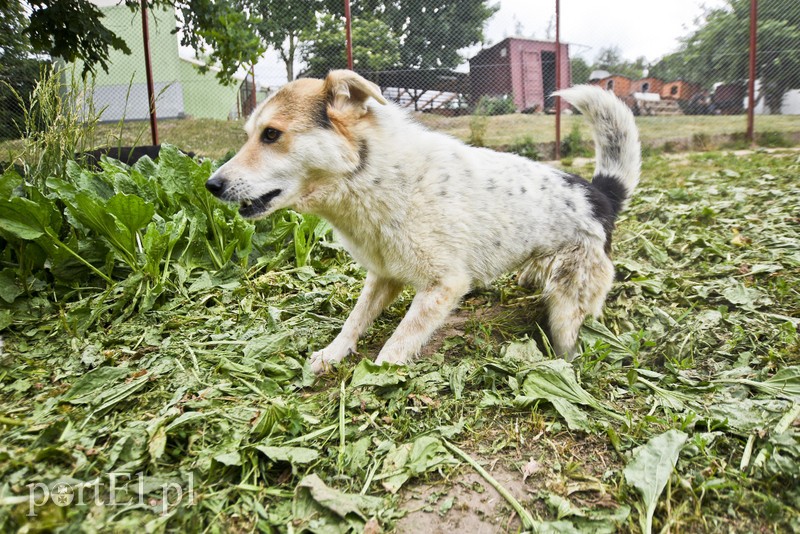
(464, 503)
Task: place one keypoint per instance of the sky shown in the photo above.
(649, 28)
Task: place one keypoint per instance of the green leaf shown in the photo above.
(9, 289)
(88, 387)
(368, 373)
(131, 210)
(330, 510)
(292, 455)
(424, 454)
(555, 381)
(650, 469)
(23, 219)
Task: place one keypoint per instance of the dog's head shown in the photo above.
(301, 138)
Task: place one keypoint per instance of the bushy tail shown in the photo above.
(616, 139)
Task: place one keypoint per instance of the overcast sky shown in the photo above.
(649, 28)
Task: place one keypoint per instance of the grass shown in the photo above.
(214, 139)
(206, 394)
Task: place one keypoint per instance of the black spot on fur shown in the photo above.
(363, 156)
(606, 195)
(522, 190)
(445, 178)
(492, 185)
(497, 244)
(443, 193)
(570, 204)
(322, 119)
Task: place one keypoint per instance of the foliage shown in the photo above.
(56, 124)
(525, 147)
(611, 60)
(579, 70)
(74, 29)
(223, 30)
(573, 145)
(18, 72)
(717, 51)
(71, 29)
(375, 47)
(206, 387)
(489, 105)
(432, 32)
(282, 25)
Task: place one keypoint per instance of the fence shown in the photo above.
(445, 60)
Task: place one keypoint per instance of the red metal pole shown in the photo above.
(148, 69)
(751, 86)
(348, 33)
(558, 79)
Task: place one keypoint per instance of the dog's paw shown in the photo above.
(323, 360)
(395, 359)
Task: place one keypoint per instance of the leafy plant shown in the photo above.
(526, 148)
(649, 471)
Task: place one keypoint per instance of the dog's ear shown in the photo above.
(347, 91)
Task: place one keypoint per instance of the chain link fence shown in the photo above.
(435, 58)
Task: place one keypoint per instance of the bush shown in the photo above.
(526, 148)
(489, 106)
(574, 145)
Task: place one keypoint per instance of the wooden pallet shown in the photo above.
(659, 107)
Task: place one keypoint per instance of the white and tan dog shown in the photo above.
(419, 208)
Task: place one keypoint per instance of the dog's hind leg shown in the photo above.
(427, 312)
(376, 295)
(576, 287)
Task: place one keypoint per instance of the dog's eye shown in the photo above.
(270, 135)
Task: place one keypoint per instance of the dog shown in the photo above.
(419, 208)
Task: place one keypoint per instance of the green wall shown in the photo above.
(181, 90)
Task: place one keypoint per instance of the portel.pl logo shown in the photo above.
(118, 489)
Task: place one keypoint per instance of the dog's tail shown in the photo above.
(616, 140)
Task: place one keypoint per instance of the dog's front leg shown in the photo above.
(376, 295)
(427, 312)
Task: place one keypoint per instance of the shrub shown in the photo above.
(573, 145)
(489, 105)
(526, 148)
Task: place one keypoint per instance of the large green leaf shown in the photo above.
(24, 219)
(131, 210)
(650, 469)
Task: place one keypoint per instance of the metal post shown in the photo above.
(751, 86)
(148, 68)
(348, 34)
(558, 80)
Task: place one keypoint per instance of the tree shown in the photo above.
(580, 70)
(611, 60)
(375, 47)
(18, 71)
(431, 32)
(718, 50)
(70, 29)
(281, 25)
(73, 29)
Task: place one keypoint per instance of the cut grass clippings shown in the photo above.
(183, 401)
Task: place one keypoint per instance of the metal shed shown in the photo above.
(524, 69)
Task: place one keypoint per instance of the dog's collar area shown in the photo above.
(254, 207)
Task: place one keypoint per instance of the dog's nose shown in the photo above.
(216, 185)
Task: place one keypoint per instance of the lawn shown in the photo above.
(154, 370)
(214, 139)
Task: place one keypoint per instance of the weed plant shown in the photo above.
(150, 334)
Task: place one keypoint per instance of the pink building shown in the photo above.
(524, 69)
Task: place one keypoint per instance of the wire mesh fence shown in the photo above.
(436, 58)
